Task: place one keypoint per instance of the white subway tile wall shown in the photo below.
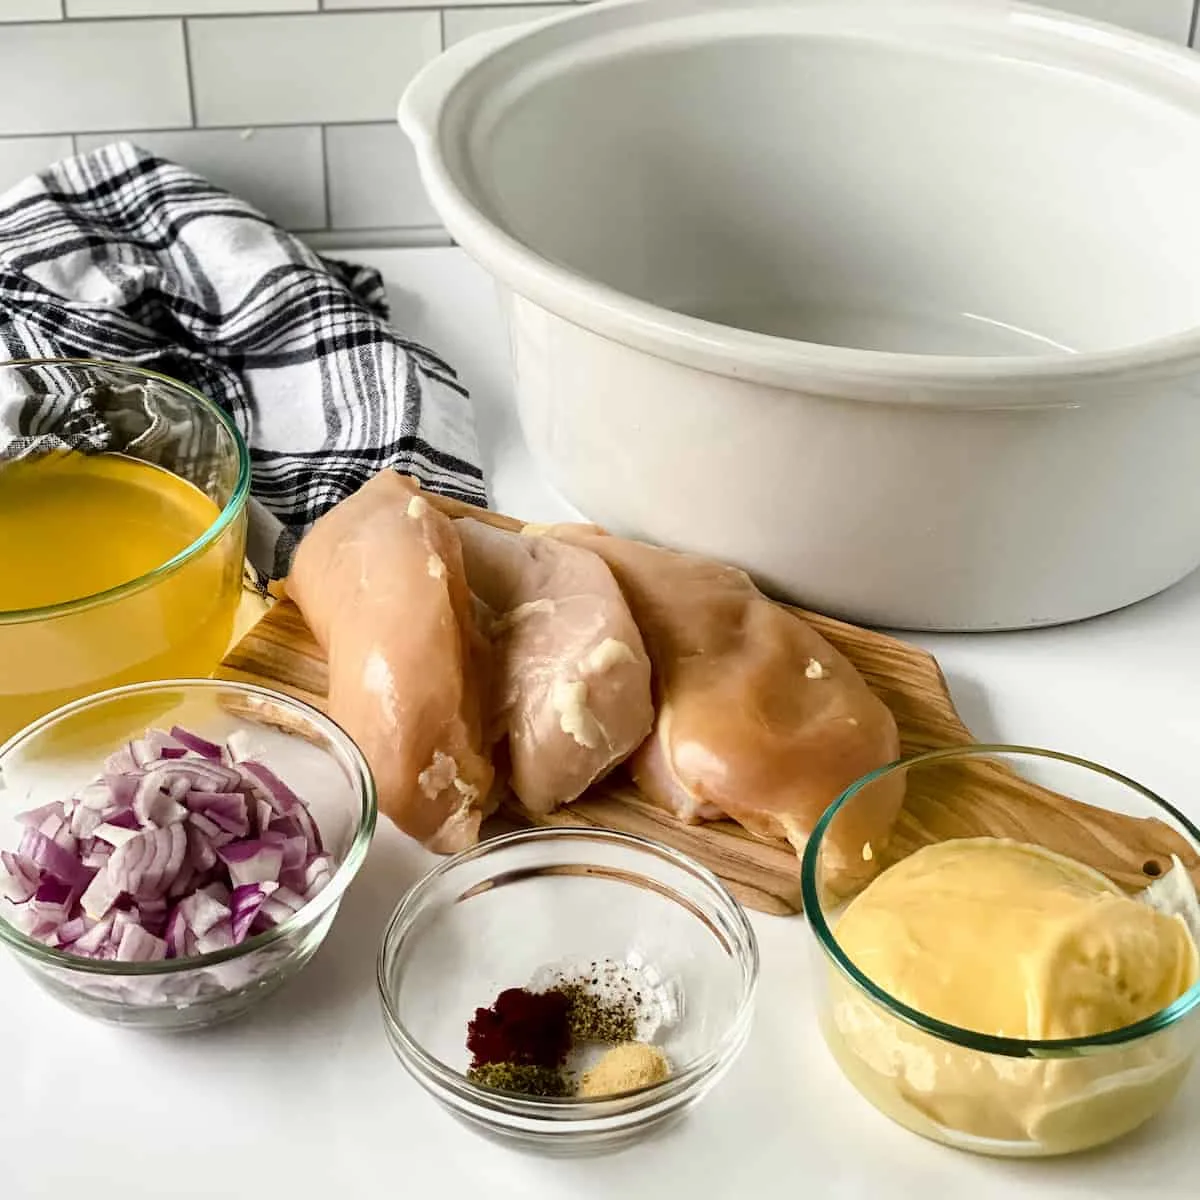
(1170, 19)
(67, 76)
(336, 67)
(459, 23)
(280, 171)
(373, 182)
(290, 103)
(30, 10)
(183, 8)
(24, 156)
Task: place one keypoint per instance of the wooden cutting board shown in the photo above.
(987, 799)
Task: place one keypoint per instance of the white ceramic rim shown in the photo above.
(1158, 67)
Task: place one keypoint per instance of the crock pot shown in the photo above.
(894, 304)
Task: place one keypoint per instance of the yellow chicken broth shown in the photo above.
(73, 526)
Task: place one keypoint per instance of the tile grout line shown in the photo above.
(190, 75)
(325, 181)
(381, 123)
(425, 6)
(442, 27)
(1191, 41)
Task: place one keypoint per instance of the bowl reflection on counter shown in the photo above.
(174, 620)
(997, 1095)
(66, 749)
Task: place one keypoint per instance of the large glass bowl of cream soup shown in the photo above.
(1016, 972)
(122, 532)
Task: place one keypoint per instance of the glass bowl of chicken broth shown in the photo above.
(122, 532)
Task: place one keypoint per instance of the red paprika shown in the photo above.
(523, 1028)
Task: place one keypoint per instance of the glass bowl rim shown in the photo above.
(1007, 1047)
(305, 916)
(228, 514)
(557, 1107)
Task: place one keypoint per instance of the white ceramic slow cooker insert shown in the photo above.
(895, 304)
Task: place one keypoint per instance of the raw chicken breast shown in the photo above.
(573, 679)
(759, 718)
(380, 582)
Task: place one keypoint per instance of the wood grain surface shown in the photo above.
(960, 799)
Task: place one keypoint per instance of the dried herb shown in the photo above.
(521, 1077)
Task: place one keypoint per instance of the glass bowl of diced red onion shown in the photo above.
(172, 852)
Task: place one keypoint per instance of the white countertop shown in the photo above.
(302, 1099)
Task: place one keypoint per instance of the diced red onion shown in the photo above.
(295, 849)
(204, 775)
(209, 829)
(70, 931)
(218, 891)
(228, 810)
(23, 876)
(264, 814)
(58, 829)
(36, 816)
(260, 777)
(201, 912)
(50, 856)
(247, 901)
(252, 861)
(43, 925)
(100, 895)
(95, 937)
(84, 820)
(121, 762)
(219, 937)
(54, 891)
(152, 915)
(122, 790)
(114, 835)
(301, 820)
(280, 905)
(317, 874)
(136, 945)
(138, 865)
(146, 864)
(240, 745)
(158, 795)
(154, 745)
(185, 879)
(94, 853)
(195, 743)
(200, 849)
(177, 934)
(123, 916)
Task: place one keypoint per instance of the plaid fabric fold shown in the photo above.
(123, 256)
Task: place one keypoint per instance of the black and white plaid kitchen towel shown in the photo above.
(120, 255)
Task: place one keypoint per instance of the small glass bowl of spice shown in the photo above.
(569, 989)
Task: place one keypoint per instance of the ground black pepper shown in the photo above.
(592, 1020)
